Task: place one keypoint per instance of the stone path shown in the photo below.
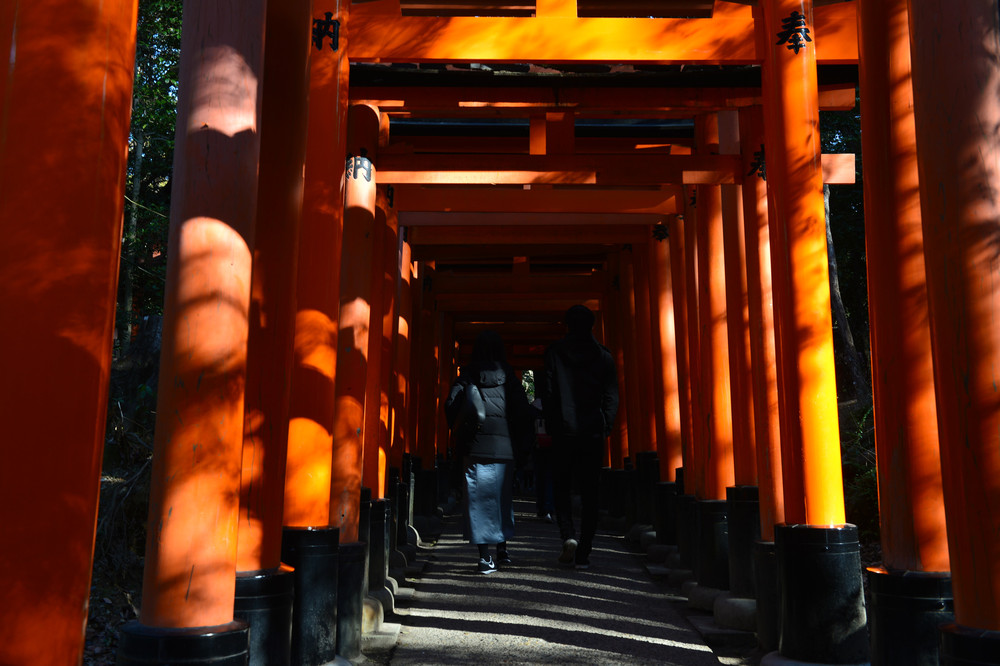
(537, 612)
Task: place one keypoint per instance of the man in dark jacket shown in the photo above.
(580, 404)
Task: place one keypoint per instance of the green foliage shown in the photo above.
(151, 147)
(860, 469)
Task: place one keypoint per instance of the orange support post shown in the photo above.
(66, 121)
(618, 443)
(665, 347)
(737, 319)
(311, 410)
(677, 227)
(355, 305)
(767, 429)
(272, 300)
(447, 372)
(813, 487)
(911, 501)
(644, 346)
(637, 436)
(715, 380)
(953, 50)
(425, 366)
(390, 323)
(190, 564)
(373, 456)
(712, 560)
(402, 397)
(694, 478)
(794, 172)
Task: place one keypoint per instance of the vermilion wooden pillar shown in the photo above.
(630, 378)
(353, 335)
(662, 303)
(194, 497)
(644, 347)
(712, 326)
(955, 70)
(272, 303)
(795, 173)
(313, 372)
(818, 579)
(447, 369)
(618, 443)
(373, 457)
(402, 392)
(767, 429)
(694, 478)
(911, 503)
(678, 229)
(426, 368)
(737, 319)
(66, 121)
(390, 328)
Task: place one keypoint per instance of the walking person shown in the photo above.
(488, 455)
(580, 403)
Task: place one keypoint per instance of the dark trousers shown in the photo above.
(577, 460)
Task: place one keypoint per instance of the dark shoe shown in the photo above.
(582, 558)
(568, 552)
(503, 557)
(581, 563)
(487, 565)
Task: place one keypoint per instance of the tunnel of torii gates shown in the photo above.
(344, 222)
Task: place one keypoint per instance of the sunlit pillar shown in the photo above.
(426, 363)
(401, 340)
(662, 305)
(189, 578)
(390, 330)
(373, 456)
(911, 504)
(313, 371)
(712, 563)
(764, 371)
(741, 498)
(271, 332)
(644, 346)
(58, 282)
(677, 228)
(351, 385)
(955, 74)
(813, 487)
(310, 543)
(712, 325)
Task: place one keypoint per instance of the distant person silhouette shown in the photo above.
(488, 455)
(580, 401)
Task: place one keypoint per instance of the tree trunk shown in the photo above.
(128, 247)
(850, 356)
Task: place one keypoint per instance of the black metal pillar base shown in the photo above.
(965, 646)
(687, 530)
(822, 604)
(765, 575)
(264, 602)
(314, 552)
(712, 565)
(647, 476)
(222, 645)
(665, 512)
(425, 492)
(744, 531)
(378, 543)
(907, 609)
(618, 500)
(352, 578)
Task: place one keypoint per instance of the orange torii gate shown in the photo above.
(235, 266)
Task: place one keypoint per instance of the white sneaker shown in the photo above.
(487, 565)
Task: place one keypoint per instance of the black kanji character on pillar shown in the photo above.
(359, 166)
(758, 166)
(794, 32)
(323, 28)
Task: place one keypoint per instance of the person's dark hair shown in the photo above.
(488, 351)
(579, 319)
